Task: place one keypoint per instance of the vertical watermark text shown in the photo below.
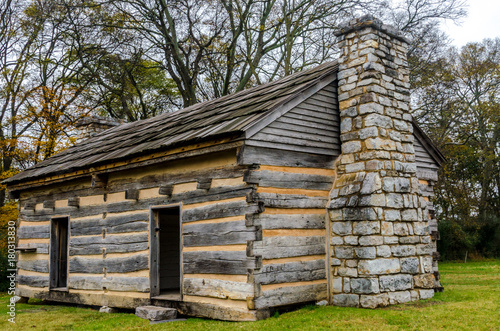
(11, 271)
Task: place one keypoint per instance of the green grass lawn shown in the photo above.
(470, 301)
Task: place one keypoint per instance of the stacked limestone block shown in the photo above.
(379, 236)
(427, 191)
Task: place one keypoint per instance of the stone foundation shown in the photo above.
(380, 244)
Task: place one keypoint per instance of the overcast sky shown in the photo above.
(482, 22)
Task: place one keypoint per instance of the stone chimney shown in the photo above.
(92, 125)
(379, 237)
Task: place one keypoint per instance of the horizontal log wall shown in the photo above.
(109, 231)
(293, 234)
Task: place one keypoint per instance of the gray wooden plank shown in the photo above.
(306, 137)
(296, 147)
(271, 156)
(217, 262)
(34, 265)
(277, 200)
(291, 295)
(304, 129)
(287, 221)
(216, 288)
(210, 234)
(276, 273)
(287, 246)
(131, 263)
(90, 245)
(33, 231)
(34, 281)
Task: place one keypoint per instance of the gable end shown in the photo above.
(312, 126)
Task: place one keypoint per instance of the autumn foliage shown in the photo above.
(459, 105)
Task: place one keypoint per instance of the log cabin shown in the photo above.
(314, 187)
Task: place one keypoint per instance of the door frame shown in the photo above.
(154, 252)
(52, 267)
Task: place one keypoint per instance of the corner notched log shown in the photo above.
(132, 194)
(74, 202)
(204, 183)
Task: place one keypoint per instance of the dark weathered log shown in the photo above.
(204, 183)
(291, 295)
(113, 224)
(33, 231)
(50, 204)
(85, 283)
(110, 248)
(150, 181)
(279, 247)
(128, 227)
(69, 190)
(277, 138)
(115, 264)
(46, 214)
(258, 155)
(115, 220)
(276, 200)
(197, 196)
(286, 221)
(74, 202)
(34, 265)
(291, 272)
(123, 228)
(219, 210)
(289, 180)
(217, 288)
(227, 233)
(29, 205)
(214, 194)
(113, 244)
(35, 281)
(166, 190)
(86, 227)
(217, 262)
(132, 194)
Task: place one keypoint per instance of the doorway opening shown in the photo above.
(59, 238)
(166, 253)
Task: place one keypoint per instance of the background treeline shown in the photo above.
(63, 60)
(457, 101)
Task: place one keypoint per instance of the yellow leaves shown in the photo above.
(5, 175)
(8, 213)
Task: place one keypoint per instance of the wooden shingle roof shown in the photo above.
(229, 115)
